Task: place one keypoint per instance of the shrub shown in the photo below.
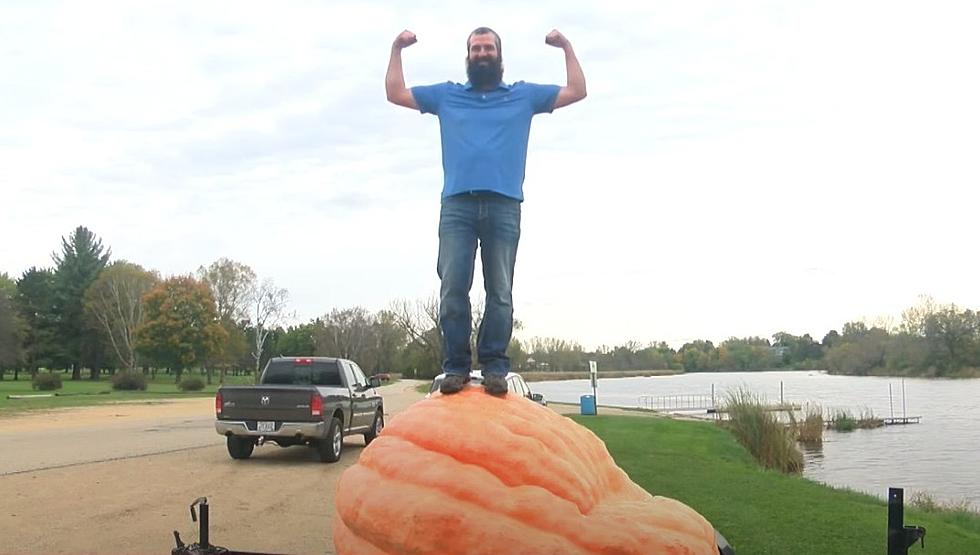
(129, 381)
(46, 381)
(191, 383)
(771, 442)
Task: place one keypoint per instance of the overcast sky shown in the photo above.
(737, 169)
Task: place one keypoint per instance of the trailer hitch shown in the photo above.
(203, 547)
(900, 536)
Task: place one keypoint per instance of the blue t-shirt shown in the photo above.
(485, 133)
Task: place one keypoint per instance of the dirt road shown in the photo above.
(120, 478)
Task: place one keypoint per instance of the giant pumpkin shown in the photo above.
(471, 473)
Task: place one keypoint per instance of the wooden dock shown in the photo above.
(900, 420)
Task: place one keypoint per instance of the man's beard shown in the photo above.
(484, 73)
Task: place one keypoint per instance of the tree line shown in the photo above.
(88, 314)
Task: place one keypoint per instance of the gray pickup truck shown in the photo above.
(313, 401)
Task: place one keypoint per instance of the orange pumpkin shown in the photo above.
(475, 474)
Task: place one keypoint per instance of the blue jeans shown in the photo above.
(494, 222)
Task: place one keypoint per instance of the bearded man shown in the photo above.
(485, 125)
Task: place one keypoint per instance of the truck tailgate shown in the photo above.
(276, 403)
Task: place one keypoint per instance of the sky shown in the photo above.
(738, 169)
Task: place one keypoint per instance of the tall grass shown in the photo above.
(868, 420)
(811, 429)
(925, 502)
(843, 421)
(771, 443)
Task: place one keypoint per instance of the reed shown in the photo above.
(771, 442)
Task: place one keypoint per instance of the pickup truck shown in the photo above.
(314, 401)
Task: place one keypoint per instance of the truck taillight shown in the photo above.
(316, 405)
(217, 404)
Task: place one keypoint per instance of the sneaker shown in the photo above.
(495, 384)
(453, 383)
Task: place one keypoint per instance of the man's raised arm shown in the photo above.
(395, 79)
(574, 89)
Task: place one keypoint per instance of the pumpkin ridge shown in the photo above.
(586, 469)
(570, 485)
(346, 541)
(627, 535)
(544, 515)
(429, 509)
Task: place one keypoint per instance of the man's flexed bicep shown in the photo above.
(574, 90)
(395, 78)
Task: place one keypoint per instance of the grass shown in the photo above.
(770, 441)
(86, 392)
(810, 430)
(843, 421)
(762, 512)
(535, 376)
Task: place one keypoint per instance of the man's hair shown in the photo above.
(483, 31)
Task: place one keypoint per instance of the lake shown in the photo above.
(938, 456)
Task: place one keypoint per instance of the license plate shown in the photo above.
(267, 426)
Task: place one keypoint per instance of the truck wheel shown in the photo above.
(379, 424)
(240, 448)
(329, 448)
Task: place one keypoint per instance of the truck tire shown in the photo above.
(240, 447)
(376, 427)
(329, 448)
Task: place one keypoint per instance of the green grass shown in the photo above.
(86, 392)
(763, 512)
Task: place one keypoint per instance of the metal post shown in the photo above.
(204, 525)
(900, 536)
(891, 406)
(781, 393)
(896, 521)
(904, 415)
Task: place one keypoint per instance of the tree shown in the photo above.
(231, 284)
(296, 341)
(952, 336)
(35, 304)
(860, 351)
(81, 260)
(10, 326)
(347, 333)
(419, 320)
(181, 325)
(698, 356)
(831, 339)
(115, 302)
(390, 340)
(268, 310)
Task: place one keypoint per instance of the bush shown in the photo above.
(46, 381)
(129, 381)
(192, 383)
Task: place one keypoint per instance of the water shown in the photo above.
(938, 456)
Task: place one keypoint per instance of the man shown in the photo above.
(485, 125)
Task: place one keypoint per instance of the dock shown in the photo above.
(901, 420)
